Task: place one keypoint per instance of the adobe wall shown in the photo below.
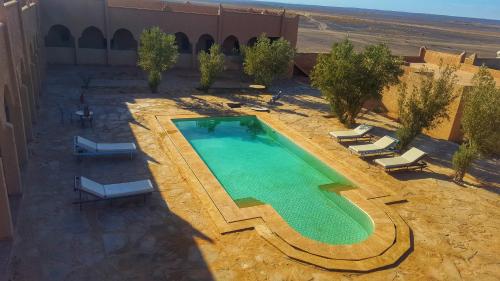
(21, 77)
(193, 20)
(447, 129)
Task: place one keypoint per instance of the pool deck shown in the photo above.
(389, 242)
(177, 233)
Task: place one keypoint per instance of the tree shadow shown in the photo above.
(130, 239)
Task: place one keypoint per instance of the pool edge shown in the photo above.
(389, 242)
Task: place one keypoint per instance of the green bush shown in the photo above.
(462, 160)
(348, 79)
(157, 53)
(268, 60)
(425, 106)
(480, 122)
(211, 65)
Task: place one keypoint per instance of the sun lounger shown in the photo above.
(86, 186)
(410, 160)
(84, 147)
(357, 133)
(385, 145)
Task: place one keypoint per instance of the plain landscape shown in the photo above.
(404, 33)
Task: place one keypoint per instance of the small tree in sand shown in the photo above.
(268, 60)
(348, 79)
(425, 106)
(480, 123)
(211, 65)
(157, 53)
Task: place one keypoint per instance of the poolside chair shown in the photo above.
(275, 98)
(410, 160)
(102, 192)
(83, 147)
(385, 145)
(360, 132)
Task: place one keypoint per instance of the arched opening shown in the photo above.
(273, 38)
(92, 38)
(183, 44)
(59, 36)
(123, 40)
(204, 43)
(231, 46)
(252, 41)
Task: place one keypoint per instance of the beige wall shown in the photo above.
(135, 16)
(21, 77)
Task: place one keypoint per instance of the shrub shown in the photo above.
(425, 106)
(211, 65)
(157, 53)
(266, 61)
(348, 79)
(462, 159)
(480, 122)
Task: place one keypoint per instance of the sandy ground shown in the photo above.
(171, 237)
(318, 31)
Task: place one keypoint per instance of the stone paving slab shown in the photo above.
(172, 238)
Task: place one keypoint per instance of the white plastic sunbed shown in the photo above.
(382, 146)
(111, 191)
(408, 161)
(85, 147)
(359, 132)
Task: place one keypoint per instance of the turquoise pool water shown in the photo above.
(254, 163)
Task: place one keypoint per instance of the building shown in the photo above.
(427, 60)
(106, 32)
(101, 32)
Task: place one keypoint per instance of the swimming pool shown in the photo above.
(257, 165)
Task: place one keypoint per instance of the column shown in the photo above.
(6, 229)
(11, 171)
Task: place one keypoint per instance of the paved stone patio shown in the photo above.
(171, 236)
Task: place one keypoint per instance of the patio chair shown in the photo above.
(83, 147)
(275, 98)
(410, 160)
(383, 146)
(101, 192)
(360, 132)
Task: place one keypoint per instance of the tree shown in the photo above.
(211, 65)
(480, 123)
(268, 60)
(348, 79)
(157, 53)
(425, 106)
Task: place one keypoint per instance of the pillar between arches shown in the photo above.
(6, 228)
(11, 171)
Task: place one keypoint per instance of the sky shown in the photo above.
(484, 9)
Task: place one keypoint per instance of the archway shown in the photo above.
(204, 43)
(252, 41)
(231, 46)
(123, 40)
(59, 36)
(183, 44)
(92, 38)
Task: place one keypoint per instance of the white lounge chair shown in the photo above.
(84, 147)
(410, 160)
(110, 191)
(357, 133)
(385, 145)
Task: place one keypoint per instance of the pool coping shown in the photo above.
(389, 242)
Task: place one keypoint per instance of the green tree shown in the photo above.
(425, 106)
(480, 122)
(211, 65)
(348, 79)
(157, 53)
(268, 60)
